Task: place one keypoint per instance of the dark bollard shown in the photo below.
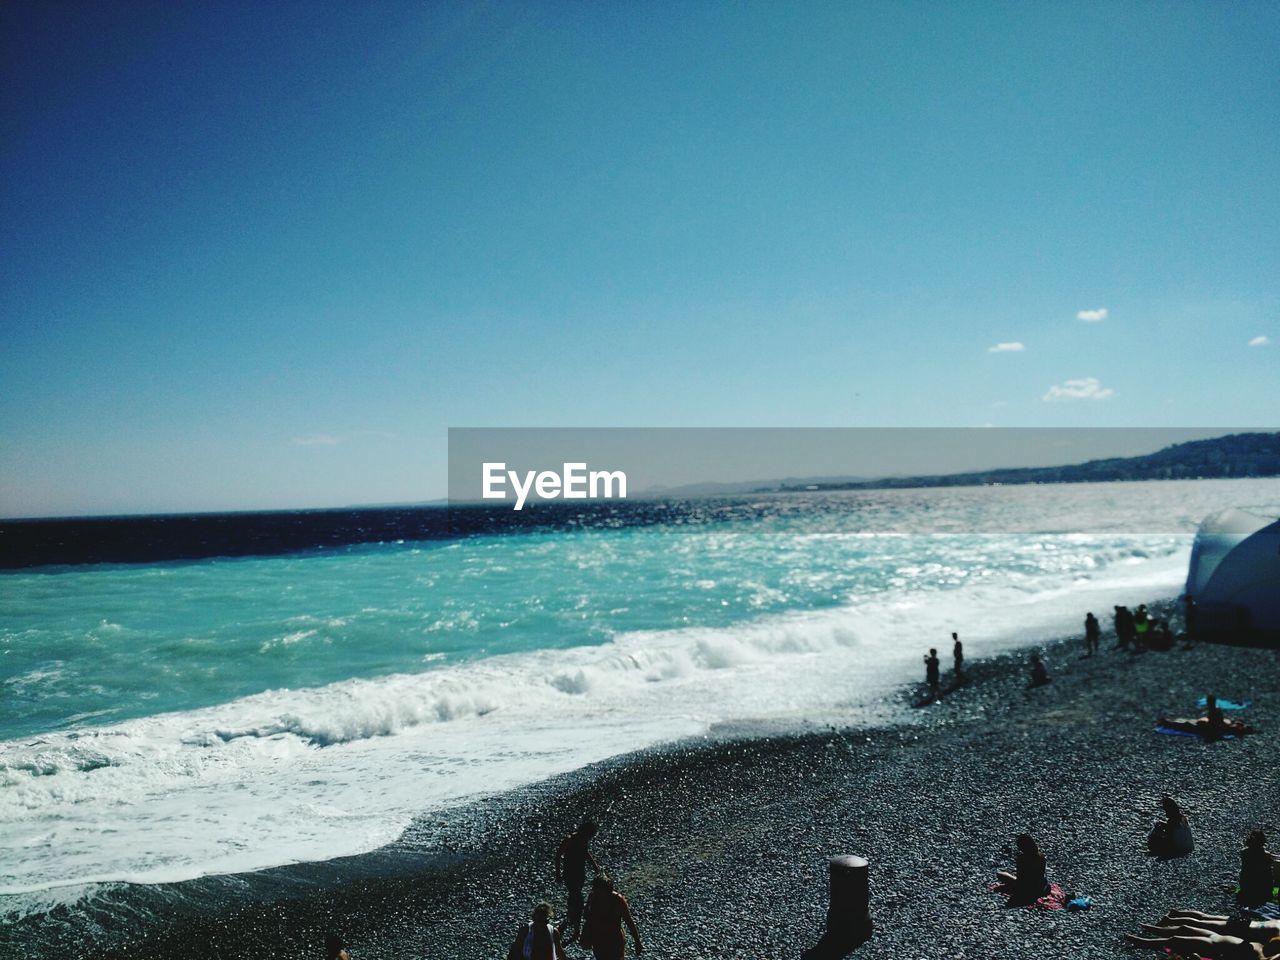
(849, 913)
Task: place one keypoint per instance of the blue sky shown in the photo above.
(264, 255)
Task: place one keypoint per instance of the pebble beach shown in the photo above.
(721, 844)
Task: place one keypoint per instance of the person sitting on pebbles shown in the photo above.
(1259, 869)
(1212, 726)
(1039, 672)
(1028, 881)
(1171, 837)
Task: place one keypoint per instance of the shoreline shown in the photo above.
(721, 843)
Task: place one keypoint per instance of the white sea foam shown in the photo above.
(290, 775)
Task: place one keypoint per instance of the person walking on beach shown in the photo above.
(537, 939)
(607, 911)
(571, 867)
(957, 651)
(1092, 631)
(931, 671)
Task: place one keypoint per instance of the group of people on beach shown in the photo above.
(1212, 937)
(1136, 630)
(601, 922)
(597, 925)
(933, 667)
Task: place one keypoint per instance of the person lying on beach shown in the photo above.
(1039, 672)
(1206, 943)
(607, 911)
(1212, 726)
(1257, 931)
(1258, 870)
(537, 939)
(1028, 880)
(1171, 837)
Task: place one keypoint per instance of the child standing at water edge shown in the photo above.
(931, 671)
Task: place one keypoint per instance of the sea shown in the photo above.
(184, 697)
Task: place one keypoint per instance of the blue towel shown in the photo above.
(1224, 704)
(1172, 732)
(1079, 903)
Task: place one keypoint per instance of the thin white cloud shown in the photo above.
(1001, 403)
(1259, 341)
(316, 440)
(1013, 347)
(1085, 388)
(1092, 316)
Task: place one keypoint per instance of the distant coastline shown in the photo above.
(1234, 456)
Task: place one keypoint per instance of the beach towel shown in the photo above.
(1174, 732)
(1055, 899)
(1224, 704)
(1264, 911)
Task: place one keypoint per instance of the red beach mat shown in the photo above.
(1055, 899)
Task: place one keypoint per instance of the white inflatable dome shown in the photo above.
(1234, 577)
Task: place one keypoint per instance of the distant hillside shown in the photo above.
(1238, 455)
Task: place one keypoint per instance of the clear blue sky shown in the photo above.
(264, 254)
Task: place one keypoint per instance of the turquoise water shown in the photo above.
(97, 645)
(230, 714)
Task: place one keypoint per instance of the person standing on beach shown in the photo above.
(931, 671)
(571, 867)
(1124, 627)
(607, 911)
(957, 651)
(334, 949)
(1092, 632)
